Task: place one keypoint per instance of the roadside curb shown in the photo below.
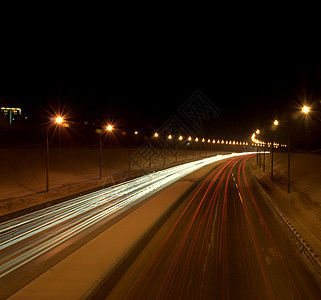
(309, 257)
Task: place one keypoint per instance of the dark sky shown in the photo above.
(142, 75)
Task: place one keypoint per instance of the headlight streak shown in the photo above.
(27, 237)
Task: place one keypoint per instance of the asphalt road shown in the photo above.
(222, 242)
(32, 243)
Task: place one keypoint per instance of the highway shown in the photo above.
(221, 243)
(26, 238)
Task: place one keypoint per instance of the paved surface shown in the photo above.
(221, 243)
(76, 265)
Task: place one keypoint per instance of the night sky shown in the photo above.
(141, 77)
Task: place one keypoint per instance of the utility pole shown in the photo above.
(272, 145)
(289, 162)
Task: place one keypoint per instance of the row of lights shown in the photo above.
(259, 143)
(305, 109)
(60, 120)
(203, 140)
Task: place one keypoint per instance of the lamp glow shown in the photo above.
(305, 109)
(59, 120)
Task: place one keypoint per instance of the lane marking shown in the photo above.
(237, 187)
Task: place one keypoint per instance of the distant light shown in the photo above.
(189, 138)
(276, 122)
(170, 137)
(196, 140)
(155, 134)
(136, 132)
(208, 140)
(59, 120)
(305, 109)
(203, 140)
(180, 138)
(257, 131)
(109, 127)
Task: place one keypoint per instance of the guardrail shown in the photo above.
(309, 257)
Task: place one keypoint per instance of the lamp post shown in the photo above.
(257, 148)
(289, 161)
(180, 138)
(196, 141)
(108, 128)
(264, 157)
(189, 144)
(57, 121)
(275, 123)
(305, 110)
(169, 138)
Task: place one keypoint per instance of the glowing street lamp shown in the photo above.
(155, 134)
(276, 123)
(108, 128)
(58, 120)
(305, 109)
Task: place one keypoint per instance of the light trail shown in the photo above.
(27, 237)
(219, 246)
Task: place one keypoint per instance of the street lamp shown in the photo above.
(57, 121)
(305, 109)
(257, 148)
(129, 145)
(108, 128)
(275, 123)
